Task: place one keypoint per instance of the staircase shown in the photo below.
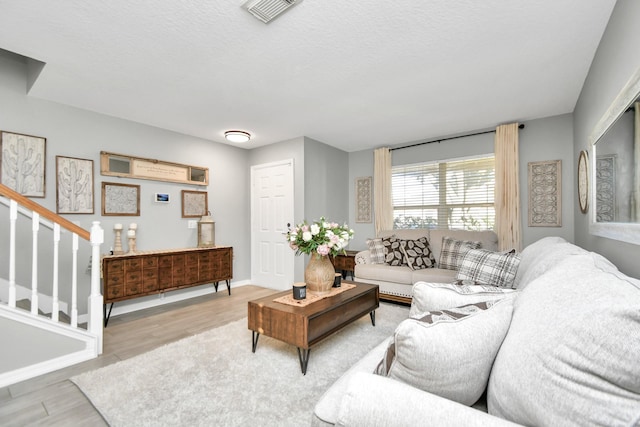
(40, 332)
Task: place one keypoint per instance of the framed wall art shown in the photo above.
(22, 163)
(120, 199)
(194, 204)
(583, 181)
(363, 199)
(74, 185)
(545, 193)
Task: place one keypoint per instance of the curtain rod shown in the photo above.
(521, 126)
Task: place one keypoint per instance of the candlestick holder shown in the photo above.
(117, 247)
(132, 244)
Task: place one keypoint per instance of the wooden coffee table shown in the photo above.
(305, 326)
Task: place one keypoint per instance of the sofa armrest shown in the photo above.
(373, 400)
(363, 257)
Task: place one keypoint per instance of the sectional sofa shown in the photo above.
(562, 349)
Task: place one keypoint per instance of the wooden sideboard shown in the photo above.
(151, 272)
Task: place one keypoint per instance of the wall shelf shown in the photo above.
(122, 165)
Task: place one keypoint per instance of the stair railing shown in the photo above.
(40, 215)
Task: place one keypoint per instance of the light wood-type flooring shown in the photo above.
(53, 400)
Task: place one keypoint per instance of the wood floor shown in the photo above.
(53, 400)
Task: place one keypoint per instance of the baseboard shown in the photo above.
(167, 298)
(22, 374)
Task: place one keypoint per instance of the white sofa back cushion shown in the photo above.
(571, 354)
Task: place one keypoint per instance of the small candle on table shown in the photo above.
(133, 226)
(117, 227)
(131, 233)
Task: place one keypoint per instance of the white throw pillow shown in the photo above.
(449, 352)
(489, 268)
(376, 250)
(439, 296)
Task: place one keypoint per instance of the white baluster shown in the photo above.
(74, 282)
(35, 226)
(55, 307)
(13, 216)
(95, 299)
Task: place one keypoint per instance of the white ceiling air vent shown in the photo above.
(266, 10)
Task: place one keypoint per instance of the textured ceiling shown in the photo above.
(354, 75)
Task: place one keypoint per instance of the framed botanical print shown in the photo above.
(120, 199)
(74, 185)
(194, 204)
(22, 163)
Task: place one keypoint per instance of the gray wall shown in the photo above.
(326, 182)
(615, 61)
(79, 133)
(543, 139)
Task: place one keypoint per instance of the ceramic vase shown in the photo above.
(319, 274)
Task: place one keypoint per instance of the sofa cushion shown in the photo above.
(417, 253)
(541, 256)
(449, 352)
(489, 268)
(382, 272)
(440, 275)
(376, 250)
(571, 354)
(439, 296)
(453, 251)
(392, 253)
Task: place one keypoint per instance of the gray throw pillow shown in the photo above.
(449, 352)
(453, 251)
(489, 268)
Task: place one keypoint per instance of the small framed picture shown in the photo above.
(22, 163)
(194, 204)
(120, 199)
(74, 185)
(161, 198)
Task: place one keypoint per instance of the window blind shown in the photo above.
(453, 194)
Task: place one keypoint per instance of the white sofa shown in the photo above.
(569, 356)
(396, 282)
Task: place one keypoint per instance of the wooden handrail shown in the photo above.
(44, 212)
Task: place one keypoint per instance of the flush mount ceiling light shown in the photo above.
(237, 136)
(266, 10)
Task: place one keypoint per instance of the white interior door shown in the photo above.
(272, 261)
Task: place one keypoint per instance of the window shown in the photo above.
(451, 194)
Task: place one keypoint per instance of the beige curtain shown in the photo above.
(635, 194)
(383, 205)
(507, 196)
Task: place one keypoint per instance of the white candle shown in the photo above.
(131, 233)
(117, 227)
(133, 226)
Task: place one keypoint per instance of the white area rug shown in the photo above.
(214, 379)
